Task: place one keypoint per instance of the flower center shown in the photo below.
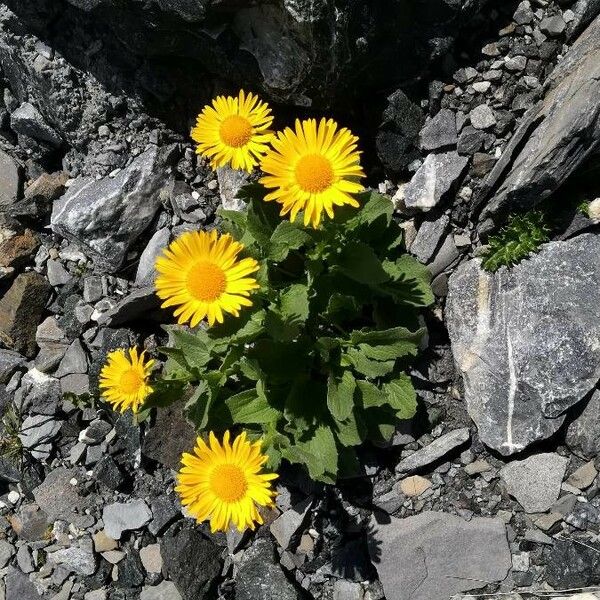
(206, 281)
(130, 381)
(314, 173)
(235, 131)
(228, 483)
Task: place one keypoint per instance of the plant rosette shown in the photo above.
(318, 364)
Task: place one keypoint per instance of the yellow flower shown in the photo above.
(223, 483)
(313, 168)
(124, 381)
(234, 131)
(200, 274)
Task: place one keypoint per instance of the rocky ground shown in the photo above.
(477, 111)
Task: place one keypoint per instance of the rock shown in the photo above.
(47, 187)
(17, 251)
(41, 393)
(583, 434)
(428, 238)
(78, 559)
(131, 571)
(414, 486)
(19, 586)
(73, 361)
(60, 499)
(192, 562)
(523, 14)
(21, 309)
(231, 182)
(535, 481)
(482, 117)
(37, 430)
(527, 364)
(285, 526)
(146, 273)
(151, 558)
(433, 555)
(7, 551)
(10, 181)
(434, 451)
(141, 302)
(553, 26)
(93, 288)
(164, 510)
(573, 564)
(433, 180)
(439, 132)
(515, 64)
(10, 362)
(446, 255)
(165, 590)
(30, 523)
(583, 477)
(120, 517)
(28, 121)
(75, 383)
(25, 560)
(169, 437)
(103, 543)
(553, 138)
(347, 590)
(261, 578)
(470, 140)
(398, 136)
(104, 217)
(56, 273)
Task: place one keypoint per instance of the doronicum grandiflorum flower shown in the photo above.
(201, 275)
(224, 483)
(313, 169)
(124, 379)
(234, 131)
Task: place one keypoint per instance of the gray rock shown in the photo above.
(146, 272)
(75, 383)
(74, 360)
(139, 303)
(482, 117)
(553, 26)
(515, 64)
(434, 451)
(261, 578)
(433, 555)
(573, 564)
(523, 14)
(165, 590)
(95, 432)
(192, 562)
(25, 560)
(10, 180)
(583, 11)
(28, 121)
(41, 393)
(120, 517)
(535, 481)
(583, 434)
(231, 182)
(554, 137)
(285, 526)
(440, 131)
(106, 216)
(19, 586)
(10, 362)
(37, 430)
(526, 340)
(347, 590)
(56, 273)
(164, 510)
(79, 559)
(30, 523)
(7, 551)
(445, 256)
(428, 238)
(434, 178)
(93, 289)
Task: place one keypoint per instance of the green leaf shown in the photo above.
(371, 395)
(287, 236)
(305, 404)
(388, 344)
(340, 395)
(319, 454)
(286, 317)
(251, 406)
(410, 281)
(401, 396)
(375, 207)
(359, 262)
(195, 347)
(366, 366)
(198, 406)
(351, 431)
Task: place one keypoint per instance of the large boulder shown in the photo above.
(526, 340)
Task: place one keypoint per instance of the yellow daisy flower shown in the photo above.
(200, 274)
(223, 483)
(124, 380)
(234, 131)
(313, 168)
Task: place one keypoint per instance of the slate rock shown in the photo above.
(10, 362)
(482, 117)
(554, 137)
(120, 517)
(74, 361)
(104, 217)
(231, 182)
(28, 121)
(165, 509)
(553, 26)
(260, 577)
(535, 481)
(19, 586)
(30, 523)
(192, 561)
(108, 473)
(573, 563)
(437, 449)
(40, 392)
(21, 309)
(17, 251)
(287, 524)
(434, 178)
(583, 434)
(525, 340)
(433, 555)
(79, 558)
(10, 181)
(165, 590)
(7, 551)
(429, 237)
(131, 570)
(141, 303)
(37, 430)
(146, 272)
(439, 132)
(169, 437)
